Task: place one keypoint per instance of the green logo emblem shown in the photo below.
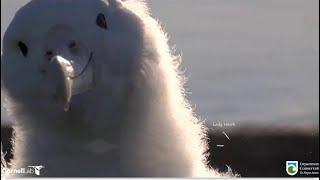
(292, 167)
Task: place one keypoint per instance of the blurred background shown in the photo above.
(253, 70)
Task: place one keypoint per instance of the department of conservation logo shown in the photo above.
(292, 167)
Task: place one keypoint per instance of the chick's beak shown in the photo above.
(77, 77)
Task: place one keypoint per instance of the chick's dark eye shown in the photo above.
(101, 21)
(23, 48)
(49, 53)
(72, 44)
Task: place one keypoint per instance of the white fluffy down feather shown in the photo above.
(122, 112)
